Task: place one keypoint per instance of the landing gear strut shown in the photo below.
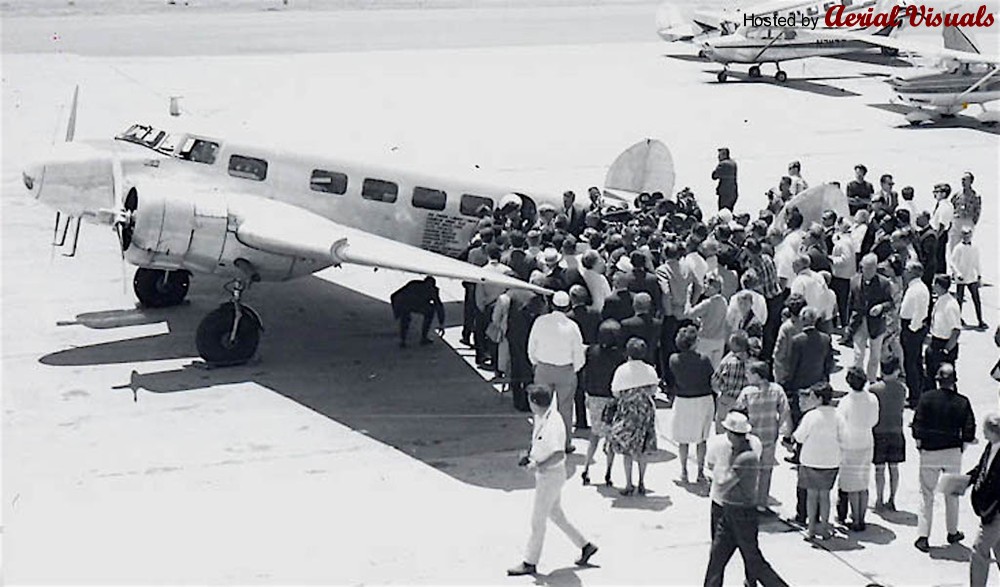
(781, 76)
(157, 288)
(229, 334)
(722, 75)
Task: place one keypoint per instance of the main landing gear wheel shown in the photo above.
(754, 71)
(157, 288)
(722, 76)
(229, 335)
(890, 51)
(781, 76)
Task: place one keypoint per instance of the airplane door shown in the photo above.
(529, 210)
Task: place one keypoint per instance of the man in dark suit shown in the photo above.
(589, 321)
(575, 214)
(927, 245)
(725, 174)
(525, 306)
(810, 359)
(419, 296)
(643, 325)
(869, 301)
(984, 479)
(618, 305)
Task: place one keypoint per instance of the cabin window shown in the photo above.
(847, 3)
(826, 7)
(474, 205)
(330, 182)
(790, 34)
(200, 151)
(379, 190)
(429, 199)
(812, 11)
(247, 167)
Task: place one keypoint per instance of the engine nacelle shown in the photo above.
(177, 228)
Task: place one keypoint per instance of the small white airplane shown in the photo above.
(186, 203)
(968, 77)
(774, 44)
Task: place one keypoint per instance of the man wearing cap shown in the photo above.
(725, 174)
(735, 464)
(799, 183)
(859, 190)
(943, 424)
(555, 348)
(946, 326)
(942, 218)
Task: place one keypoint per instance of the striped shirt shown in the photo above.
(730, 376)
(764, 266)
(767, 410)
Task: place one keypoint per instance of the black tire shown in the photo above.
(781, 76)
(754, 71)
(890, 52)
(154, 291)
(213, 336)
(721, 77)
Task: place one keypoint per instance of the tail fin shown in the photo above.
(956, 38)
(885, 7)
(646, 166)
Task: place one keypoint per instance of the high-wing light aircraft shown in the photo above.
(706, 23)
(774, 44)
(968, 77)
(186, 203)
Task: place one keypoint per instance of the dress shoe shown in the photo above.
(955, 538)
(588, 551)
(921, 544)
(858, 527)
(522, 569)
(570, 449)
(890, 505)
(792, 459)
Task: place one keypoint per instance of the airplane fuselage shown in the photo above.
(945, 90)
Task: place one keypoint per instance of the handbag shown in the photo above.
(608, 413)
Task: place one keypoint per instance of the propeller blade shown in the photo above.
(71, 124)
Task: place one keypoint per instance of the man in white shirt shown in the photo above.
(798, 183)
(941, 218)
(968, 274)
(548, 460)
(807, 282)
(946, 326)
(555, 348)
(913, 328)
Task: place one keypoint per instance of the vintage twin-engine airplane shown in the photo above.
(774, 44)
(185, 203)
(968, 77)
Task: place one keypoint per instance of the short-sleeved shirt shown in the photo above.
(740, 487)
(548, 436)
(718, 457)
(767, 409)
(819, 435)
(946, 316)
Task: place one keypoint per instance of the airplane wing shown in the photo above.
(283, 229)
(910, 47)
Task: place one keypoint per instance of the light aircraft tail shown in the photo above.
(646, 166)
(885, 7)
(957, 39)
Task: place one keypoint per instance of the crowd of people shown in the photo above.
(732, 318)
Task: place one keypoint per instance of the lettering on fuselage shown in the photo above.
(442, 233)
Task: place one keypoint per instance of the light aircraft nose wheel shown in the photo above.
(722, 76)
(229, 335)
(157, 288)
(781, 76)
(754, 71)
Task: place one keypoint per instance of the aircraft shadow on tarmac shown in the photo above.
(957, 121)
(335, 352)
(802, 84)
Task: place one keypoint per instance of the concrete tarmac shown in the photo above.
(337, 458)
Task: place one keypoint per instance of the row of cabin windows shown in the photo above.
(379, 190)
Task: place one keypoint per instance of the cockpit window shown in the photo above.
(200, 151)
(247, 167)
(142, 134)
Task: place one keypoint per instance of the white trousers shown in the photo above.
(548, 506)
(932, 464)
(863, 342)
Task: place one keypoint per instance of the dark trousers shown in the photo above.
(517, 389)
(774, 306)
(801, 493)
(469, 311)
(737, 529)
(580, 403)
(842, 289)
(937, 354)
(913, 360)
(942, 252)
(486, 349)
(977, 303)
(842, 505)
(404, 324)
